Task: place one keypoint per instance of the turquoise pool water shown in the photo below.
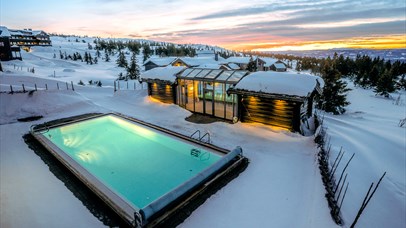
(137, 163)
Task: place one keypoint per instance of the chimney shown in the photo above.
(216, 56)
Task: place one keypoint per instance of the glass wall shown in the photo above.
(205, 91)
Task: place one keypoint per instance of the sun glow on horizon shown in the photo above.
(384, 42)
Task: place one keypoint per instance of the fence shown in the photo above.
(34, 87)
(128, 85)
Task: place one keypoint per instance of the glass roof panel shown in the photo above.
(213, 74)
(223, 76)
(202, 73)
(236, 77)
(194, 73)
(186, 72)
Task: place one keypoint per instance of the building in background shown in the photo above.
(13, 40)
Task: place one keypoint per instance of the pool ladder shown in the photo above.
(206, 135)
(39, 131)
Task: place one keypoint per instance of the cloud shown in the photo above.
(252, 34)
(307, 8)
(312, 17)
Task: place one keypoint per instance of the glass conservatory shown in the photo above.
(205, 91)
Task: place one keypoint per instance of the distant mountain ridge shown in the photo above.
(387, 54)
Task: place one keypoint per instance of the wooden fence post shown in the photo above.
(57, 85)
(11, 89)
(71, 83)
(115, 89)
(23, 89)
(366, 200)
(67, 87)
(35, 87)
(46, 86)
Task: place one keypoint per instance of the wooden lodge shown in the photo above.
(162, 83)
(281, 99)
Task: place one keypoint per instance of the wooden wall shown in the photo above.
(162, 92)
(280, 113)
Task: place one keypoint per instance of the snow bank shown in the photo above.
(369, 128)
(287, 83)
(38, 103)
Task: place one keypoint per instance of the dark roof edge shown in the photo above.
(267, 95)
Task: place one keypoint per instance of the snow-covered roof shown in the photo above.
(214, 66)
(269, 61)
(240, 60)
(161, 61)
(4, 32)
(282, 83)
(37, 32)
(279, 65)
(167, 73)
(233, 66)
(198, 61)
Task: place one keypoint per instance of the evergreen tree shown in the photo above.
(252, 65)
(133, 71)
(146, 51)
(86, 58)
(374, 75)
(79, 56)
(106, 56)
(134, 47)
(98, 54)
(402, 82)
(90, 59)
(342, 66)
(120, 76)
(334, 96)
(121, 60)
(385, 84)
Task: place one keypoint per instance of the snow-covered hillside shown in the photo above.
(281, 187)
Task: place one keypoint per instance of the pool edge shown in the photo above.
(133, 217)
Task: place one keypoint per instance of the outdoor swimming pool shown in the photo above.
(136, 168)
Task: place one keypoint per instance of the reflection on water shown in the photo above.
(92, 202)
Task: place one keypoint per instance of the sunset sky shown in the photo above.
(234, 24)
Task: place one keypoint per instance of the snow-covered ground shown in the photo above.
(281, 187)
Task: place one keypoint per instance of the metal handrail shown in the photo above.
(197, 131)
(208, 135)
(32, 127)
(39, 131)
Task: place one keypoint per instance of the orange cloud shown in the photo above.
(382, 42)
